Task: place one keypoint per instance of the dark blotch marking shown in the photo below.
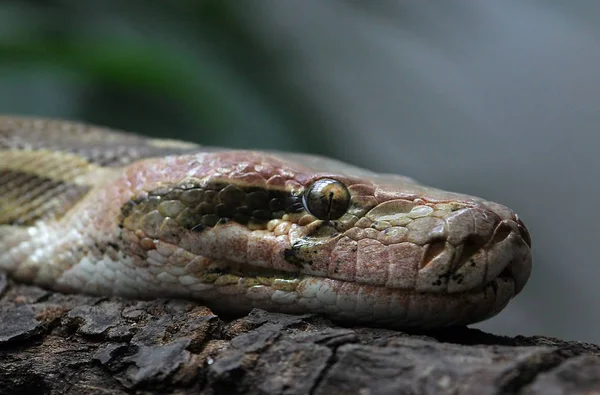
(127, 208)
(261, 214)
(231, 195)
(209, 219)
(211, 203)
(458, 278)
(276, 205)
(296, 207)
(442, 279)
(303, 251)
(114, 246)
(210, 197)
(291, 255)
(225, 211)
(26, 198)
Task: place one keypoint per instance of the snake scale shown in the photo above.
(98, 211)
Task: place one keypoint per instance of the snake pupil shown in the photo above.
(327, 199)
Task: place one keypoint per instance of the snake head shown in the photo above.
(104, 212)
(399, 235)
(303, 234)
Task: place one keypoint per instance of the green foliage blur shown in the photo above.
(194, 70)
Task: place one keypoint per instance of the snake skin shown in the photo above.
(86, 209)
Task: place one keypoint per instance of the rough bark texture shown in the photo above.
(71, 344)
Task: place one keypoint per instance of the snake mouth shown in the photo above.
(505, 256)
(435, 265)
(517, 272)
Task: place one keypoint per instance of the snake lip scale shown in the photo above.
(98, 211)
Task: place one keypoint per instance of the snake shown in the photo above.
(93, 210)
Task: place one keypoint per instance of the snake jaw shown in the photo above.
(458, 246)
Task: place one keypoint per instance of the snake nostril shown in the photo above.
(502, 232)
(507, 272)
(524, 232)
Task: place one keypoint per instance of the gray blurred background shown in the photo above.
(494, 98)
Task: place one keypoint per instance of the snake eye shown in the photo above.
(326, 199)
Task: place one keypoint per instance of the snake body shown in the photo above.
(92, 210)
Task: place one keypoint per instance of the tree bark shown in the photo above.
(52, 343)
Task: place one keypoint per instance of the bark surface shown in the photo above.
(52, 343)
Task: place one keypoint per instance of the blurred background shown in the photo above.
(496, 99)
